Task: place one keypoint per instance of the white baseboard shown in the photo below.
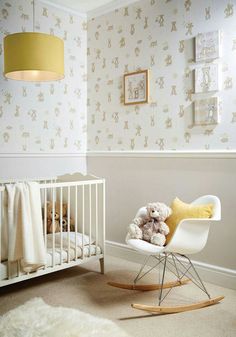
(210, 273)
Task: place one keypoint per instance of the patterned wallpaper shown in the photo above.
(150, 34)
(158, 35)
(47, 117)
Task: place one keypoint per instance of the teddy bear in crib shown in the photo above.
(152, 226)
(57, 218)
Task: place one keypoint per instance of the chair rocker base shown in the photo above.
(148, 287)
(183, 269)
(179, 308)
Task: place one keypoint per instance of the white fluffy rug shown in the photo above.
(37, 319)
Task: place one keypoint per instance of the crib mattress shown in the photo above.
(71, 244)
(77, 240)
(93, 250)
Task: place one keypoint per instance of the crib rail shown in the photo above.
(1, 215)
(39, 179)
(68, 184)
(74, 238)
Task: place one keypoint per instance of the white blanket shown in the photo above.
(25, 228)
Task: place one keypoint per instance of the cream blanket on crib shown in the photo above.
(25, 228)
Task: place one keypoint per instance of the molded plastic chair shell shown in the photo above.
(190, 236)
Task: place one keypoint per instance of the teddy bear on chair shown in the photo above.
(152, 226)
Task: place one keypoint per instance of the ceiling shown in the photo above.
(85, 6)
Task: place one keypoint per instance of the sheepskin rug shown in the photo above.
(35, 318)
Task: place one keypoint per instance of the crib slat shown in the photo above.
(53, 227)
(1, 217)
(18, 268)
(68, 223)
(82, 221)
(96, 215)
(90, 219)
(61, 239)
(76, 221)
(8, 270)
(104, 216)
(1, 208)
(45, 222)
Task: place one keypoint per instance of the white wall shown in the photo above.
(159, 36)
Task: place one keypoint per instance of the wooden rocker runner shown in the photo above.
(178, 308)
(148, 287)
(190, 237)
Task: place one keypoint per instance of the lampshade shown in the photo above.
(33, 57)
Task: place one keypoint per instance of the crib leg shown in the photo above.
(102, 269)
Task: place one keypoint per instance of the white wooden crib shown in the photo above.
(85, 199)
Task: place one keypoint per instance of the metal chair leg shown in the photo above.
(163, 278)
(176, 268)
(141, 268)
(198, 276)
(139, 276)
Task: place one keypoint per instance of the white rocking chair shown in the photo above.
(190, 237)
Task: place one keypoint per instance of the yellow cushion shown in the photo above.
(181, 210)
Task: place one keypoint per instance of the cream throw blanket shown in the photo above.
(25, 228)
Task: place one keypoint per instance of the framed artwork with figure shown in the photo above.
(208, 46)
(207, 78)
(206, 111)
(136, 87)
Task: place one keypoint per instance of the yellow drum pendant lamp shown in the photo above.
(33, 57)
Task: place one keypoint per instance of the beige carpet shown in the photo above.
(87, 291)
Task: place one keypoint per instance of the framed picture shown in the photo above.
(207, 78)
(206, 111)
(208, 46)
(136, 87)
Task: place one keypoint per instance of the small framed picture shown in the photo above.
(207, 78)
(136, 87)
(206, 111)
(208, 46)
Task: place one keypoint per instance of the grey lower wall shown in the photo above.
(40, 166)
(132, 182)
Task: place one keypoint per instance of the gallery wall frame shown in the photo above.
(206, 111)
(207, 79)
(208, 46)
(136, 87)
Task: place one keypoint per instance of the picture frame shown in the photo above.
(206, 111)
(207, 79)
(208, 46)
(136, 87)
